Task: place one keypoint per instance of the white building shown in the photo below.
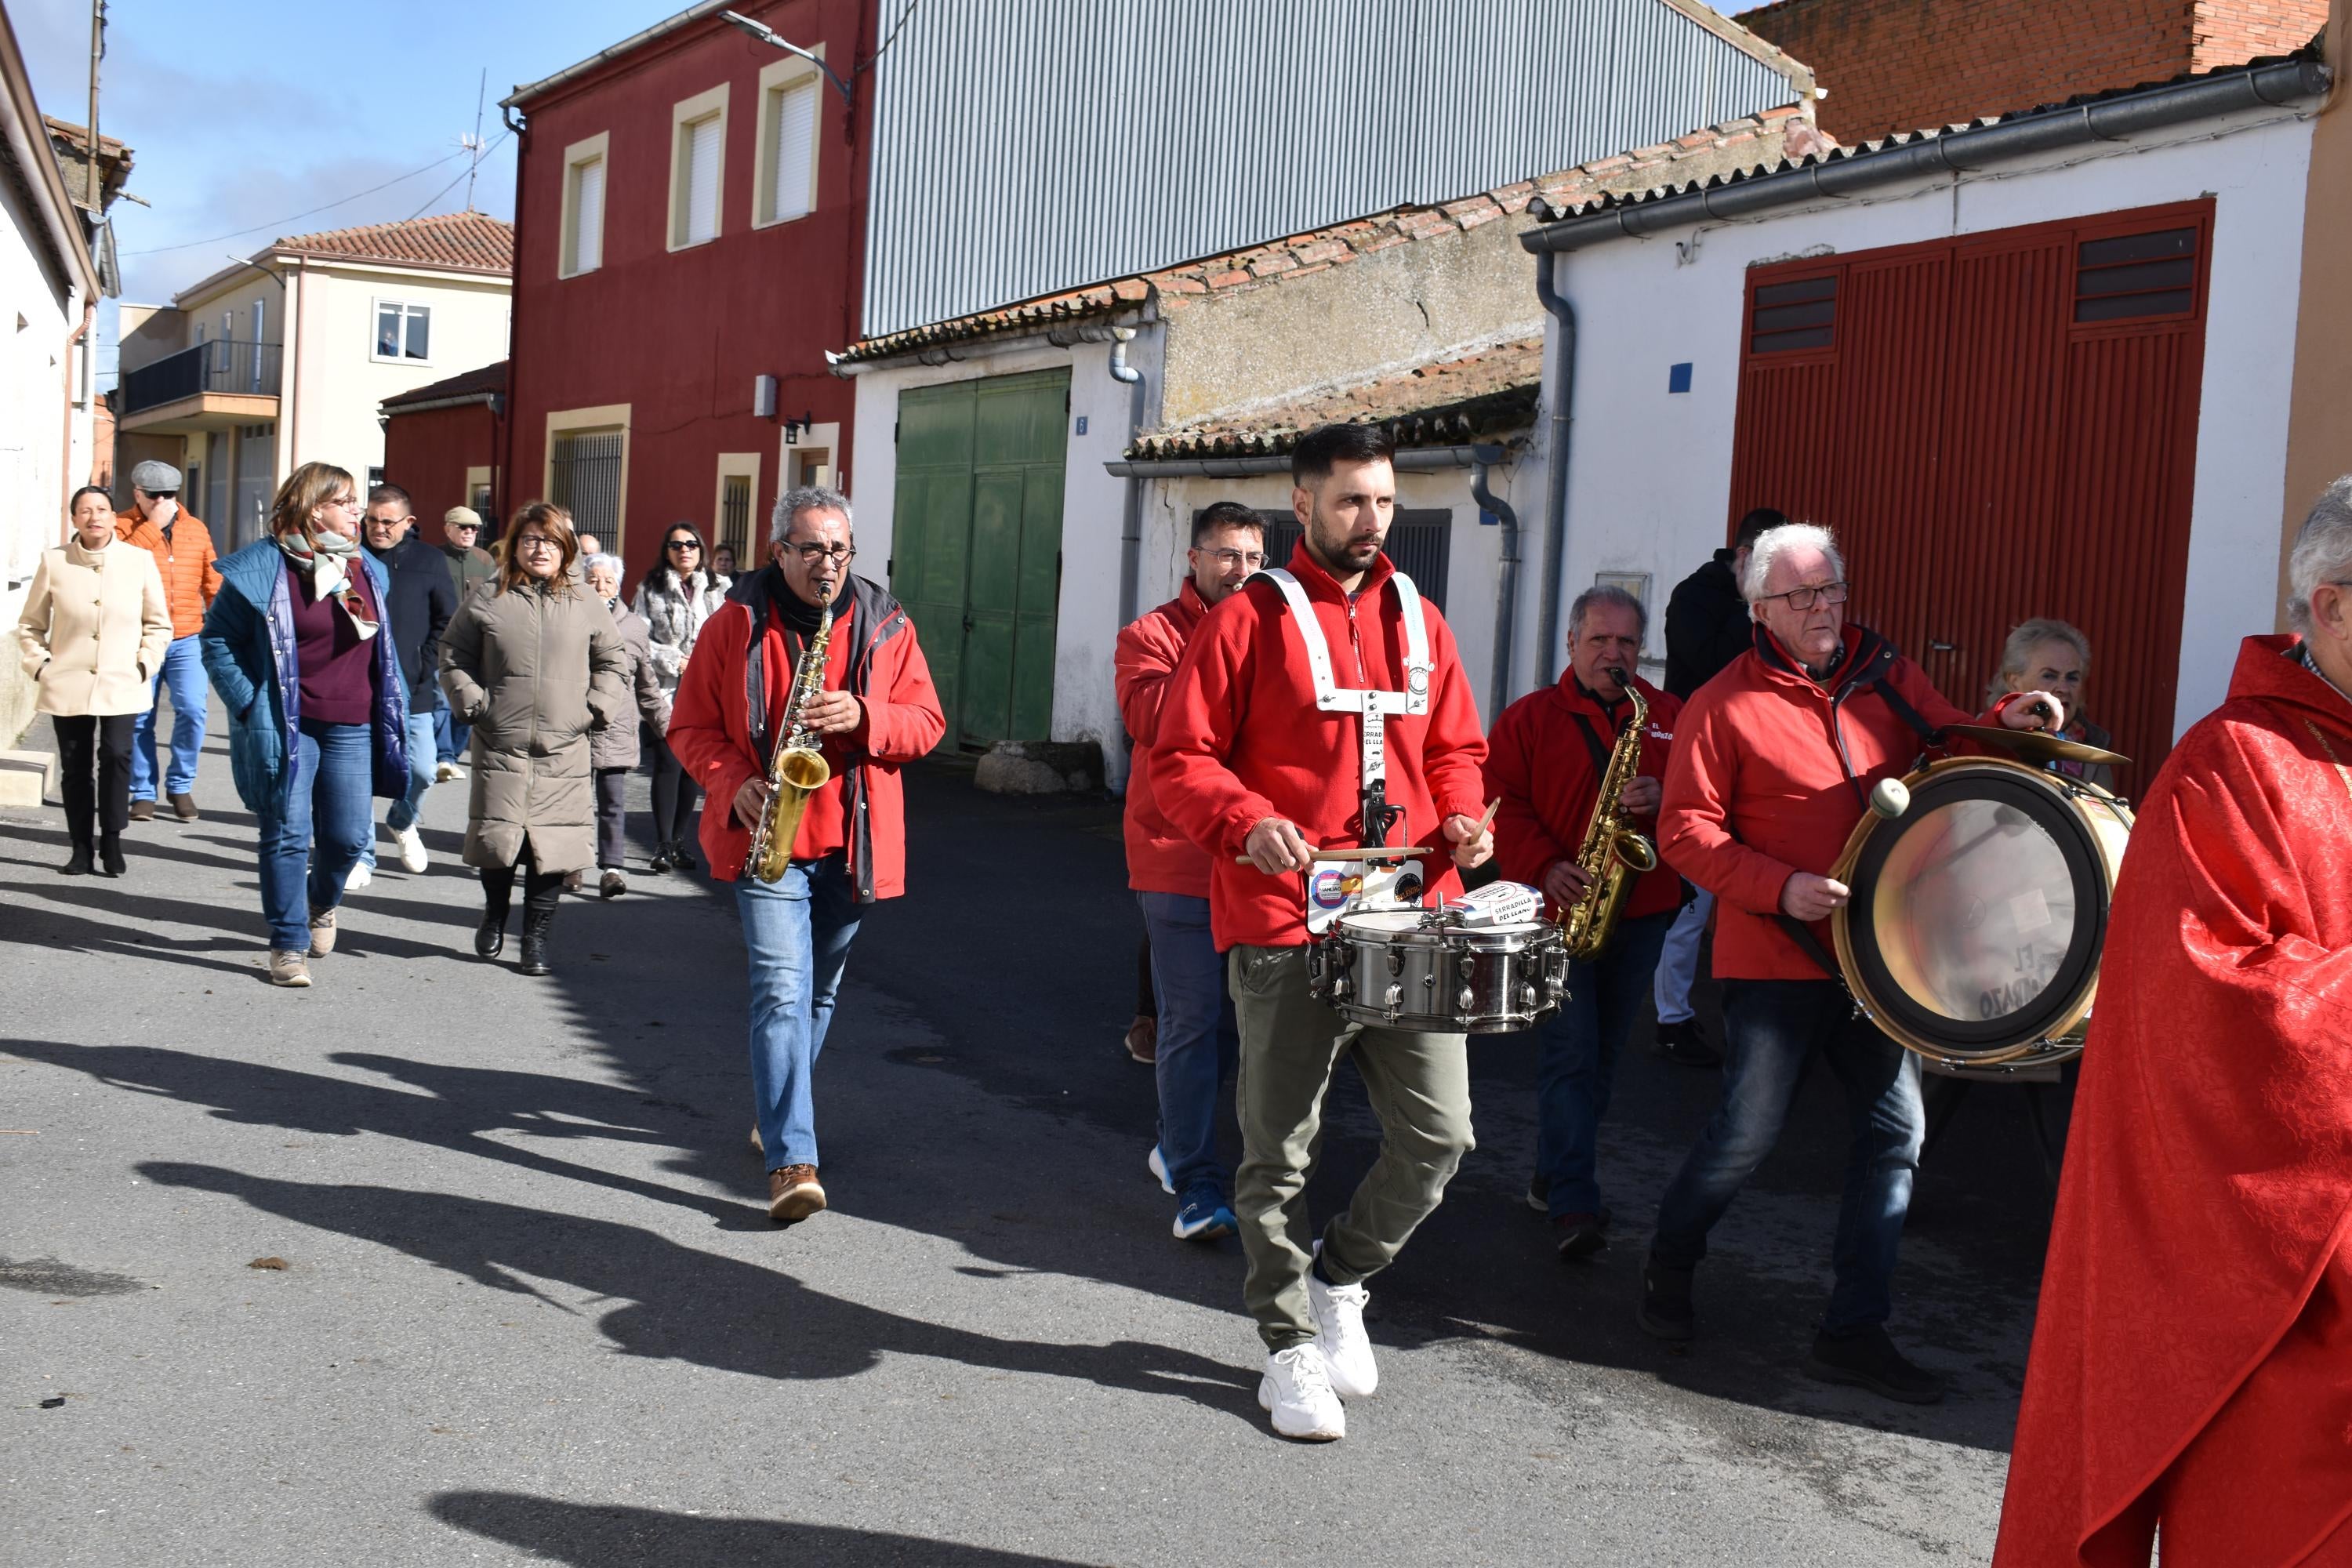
(282, 359)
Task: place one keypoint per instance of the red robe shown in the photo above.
(2192, 1361)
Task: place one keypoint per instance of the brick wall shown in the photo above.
(1901, 65)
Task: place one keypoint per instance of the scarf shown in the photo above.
(792, 610)
(327, 567)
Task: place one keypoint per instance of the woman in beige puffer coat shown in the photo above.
(536, 666)
(94, 631)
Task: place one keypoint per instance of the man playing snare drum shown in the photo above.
(1248, 764)
(1773, 763)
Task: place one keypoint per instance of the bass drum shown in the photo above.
(1973, 932)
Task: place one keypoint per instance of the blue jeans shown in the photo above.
(1678, 960)
(1197, 1041)
(422, 760)
(1576, 1060)
(184, 669)
(331, 795)
(1772, 1029)
(797, 932)
(449, 737)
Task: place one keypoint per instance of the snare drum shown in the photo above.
(1973, 931)
(1417, 969)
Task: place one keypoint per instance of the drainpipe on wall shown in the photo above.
(502, 436)
(1554, 474)
(1130, 546)
(89, 315)
(1506, 583)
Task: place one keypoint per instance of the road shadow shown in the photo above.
(590, 1535)
(680, 1303)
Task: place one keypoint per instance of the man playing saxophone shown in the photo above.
(864, 695)
(1547, 761)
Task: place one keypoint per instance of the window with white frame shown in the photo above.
(698, 167)
(583, 244)
(785, 185)
(402, 332)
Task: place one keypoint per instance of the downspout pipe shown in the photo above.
(1563, 401)
(1507, 581)
(502, 433)
(88, 317)
(1130, 543)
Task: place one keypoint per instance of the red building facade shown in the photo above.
(442, 443)
(690, 216)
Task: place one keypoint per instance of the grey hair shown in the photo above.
(805, 497)
(2027, 636)
(1774, 543)
(2323, 552)
(1611, 594)
(603, 558)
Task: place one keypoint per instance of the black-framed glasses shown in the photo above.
(1229, 559)
(529, 540)
(682, 544)
(1806, 597)
(810, 554)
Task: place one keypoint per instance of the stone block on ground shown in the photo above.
(27, 777)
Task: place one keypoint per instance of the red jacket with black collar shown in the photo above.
(1241, 740)
(1159, 860)
(1540, 765)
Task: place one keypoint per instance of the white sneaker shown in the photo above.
(1339, 1335)
(1297, 1391)
(360, 878)
(443, 771)
(1158, 1168)
(412, 849)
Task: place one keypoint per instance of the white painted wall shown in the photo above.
(1649, 472)
(340, 385)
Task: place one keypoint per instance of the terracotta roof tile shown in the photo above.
(465, 384)
(466, 241)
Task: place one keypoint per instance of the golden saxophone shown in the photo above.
(1614, 856)
(798, 770)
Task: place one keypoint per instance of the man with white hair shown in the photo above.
(1774, 764)
(2192, 1363)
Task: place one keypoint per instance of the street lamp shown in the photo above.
(767, 35)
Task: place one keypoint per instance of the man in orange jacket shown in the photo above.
(1169, 875)
(1253, 764)
(1544, 763)
(1773, 763)
(183, 548)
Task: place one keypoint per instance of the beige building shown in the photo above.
(283, 358)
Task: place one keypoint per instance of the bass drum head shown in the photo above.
(1976, 919)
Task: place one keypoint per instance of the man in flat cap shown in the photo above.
(183, 548)
(470, 566)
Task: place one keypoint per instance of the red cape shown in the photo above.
(2208, 1172)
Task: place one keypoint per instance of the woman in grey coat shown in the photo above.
(537, 667)
(675, 597)
(612, 751)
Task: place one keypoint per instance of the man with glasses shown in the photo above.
(417, 611)
(1169, 874)
(470, 566)
(183, 548)
(1773, 763)
(876, 711)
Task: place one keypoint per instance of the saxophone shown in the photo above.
(798, 770)
(1614, 856)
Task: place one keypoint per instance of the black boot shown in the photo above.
(1666, 1301)
(110, 854)
(490, 937)
(679, 858)
(81, 862)
(535, 923)
(1868, 1359)
(661, 855)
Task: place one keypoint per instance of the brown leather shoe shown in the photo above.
(1142, 1039)
(143, 811)
(793, 1194)
(185, 806)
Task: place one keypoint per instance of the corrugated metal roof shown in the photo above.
(1024, 149)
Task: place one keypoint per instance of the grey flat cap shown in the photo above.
(461, 517)
(155, 477)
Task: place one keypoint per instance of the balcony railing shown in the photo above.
(223, 366)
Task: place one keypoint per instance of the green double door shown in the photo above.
(976, 546)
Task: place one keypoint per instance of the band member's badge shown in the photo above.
(1334, 888)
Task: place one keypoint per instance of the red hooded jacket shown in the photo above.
(1158, 858)
(2193, 1354)
(1241, 740)
(1770, 771)
(875, 656)
(1540, 766)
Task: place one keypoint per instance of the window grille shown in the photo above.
(1801, 314)
(584, 479)
(2134, 276)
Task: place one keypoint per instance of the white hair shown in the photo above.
(1773, 542)
(601, 560)
(2323, 552)
(801, 499)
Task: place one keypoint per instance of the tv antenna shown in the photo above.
(473, 143)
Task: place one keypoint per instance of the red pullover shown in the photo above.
(1770, 771)
(1540, 766)
(1158, 858)
(1241, 740)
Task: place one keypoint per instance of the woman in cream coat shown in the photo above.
(94, 631)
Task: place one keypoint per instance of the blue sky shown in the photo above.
(243, 119)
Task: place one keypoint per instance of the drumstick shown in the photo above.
(1378, 852)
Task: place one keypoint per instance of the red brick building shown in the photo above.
(1901, 65)
(441, 444)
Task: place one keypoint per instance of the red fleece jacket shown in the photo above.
(1159, 860)
(1540, 767)
(1241, 740)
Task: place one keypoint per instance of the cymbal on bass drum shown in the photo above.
(2034, 746)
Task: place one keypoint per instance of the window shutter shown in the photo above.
(702, 181)
(795, 150)
(588, 218)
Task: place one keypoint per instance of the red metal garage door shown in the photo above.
(1997, 427)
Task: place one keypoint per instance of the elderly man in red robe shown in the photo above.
(2191, 1373)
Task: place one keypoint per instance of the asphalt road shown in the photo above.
(531, 1308)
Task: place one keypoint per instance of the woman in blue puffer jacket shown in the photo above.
(295, 645)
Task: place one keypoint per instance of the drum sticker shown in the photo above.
(2029, 910)
(1334, 888)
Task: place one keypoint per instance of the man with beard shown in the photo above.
(1270, 746)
